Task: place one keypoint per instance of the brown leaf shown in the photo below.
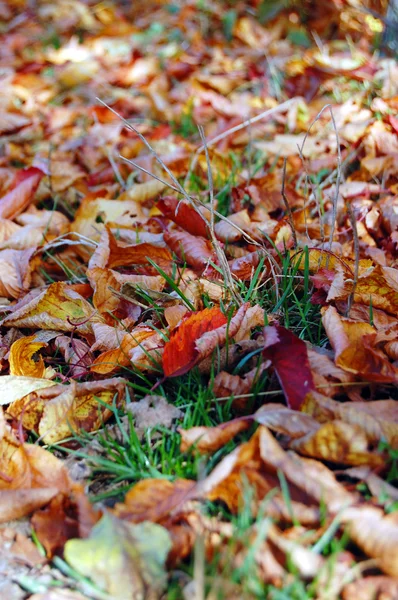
(377, 286)
(15, 269)
(368, 588)
(21, 193)
(155, 500)
(210, 439)
(56, 307)
(354, 348)
(111, 254)
(196, 251)
(73, 408)
(152, 411)
(375, 533)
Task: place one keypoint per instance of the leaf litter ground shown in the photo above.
(199, 299)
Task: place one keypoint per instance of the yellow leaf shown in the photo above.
(15, 387)
(57, 307)
(24, 358)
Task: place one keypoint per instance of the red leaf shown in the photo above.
(180, 353)
(21, 192)
(184, 215)
(289, 358)
(194, 250)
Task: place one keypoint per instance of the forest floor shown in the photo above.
(198, 302)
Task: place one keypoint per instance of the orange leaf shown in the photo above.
(24, 359)
(180, 353)
(21, 194)
(194, 250)
(184, 215)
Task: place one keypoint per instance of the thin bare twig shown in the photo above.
(356, 255)
(267, 113)
(177, 187)
(339, 172)
(287, 205)
(222, 259)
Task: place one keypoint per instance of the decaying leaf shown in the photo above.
(21, 193)
(64, 410)
(354, 348)
(25, 359)
(152, 411)
(56, 307)
(296, 383)
(125, 560)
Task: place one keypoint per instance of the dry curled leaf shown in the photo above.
(196, 251)
(62, 410)
(56, 307)
(24, 358)
(21, 193)
(355, 352)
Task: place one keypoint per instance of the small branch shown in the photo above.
(287, 205)
(356, 254)
(267, 113)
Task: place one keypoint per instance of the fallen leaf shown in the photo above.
(184, 215)
(21, 193)
(56, 307)
(181, 353)
(375, 533)
(124, 560)
(210, 439)
(65, 409)
(296, 381)
(16, 387)
(15, 268)
(368, 588)
(154, 500)
(354, 350)
(196, 251)
(110, 254)
(24, 358)
(152, 411)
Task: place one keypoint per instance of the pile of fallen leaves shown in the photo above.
(199, 192)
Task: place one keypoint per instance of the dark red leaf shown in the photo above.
(289, 358)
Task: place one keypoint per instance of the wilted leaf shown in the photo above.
(24, 358)
(338, 442)
(55, 415)
(377, 419)
(196, 251)
(125, 560)
(292, 367)
(258, 463)
(377, 286)
(64, 518)
(110, 254)
(368, 588)
(181, 353)
(202, 332)
(21, 193)
(57, 307)
(152, 411)
(184, 215)
(353, 343)
(155, 500)
(15, 387)
(376, 534)
(210, 439)
(15, 272)
(109, 361)
(76, 354)
(142, 192)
